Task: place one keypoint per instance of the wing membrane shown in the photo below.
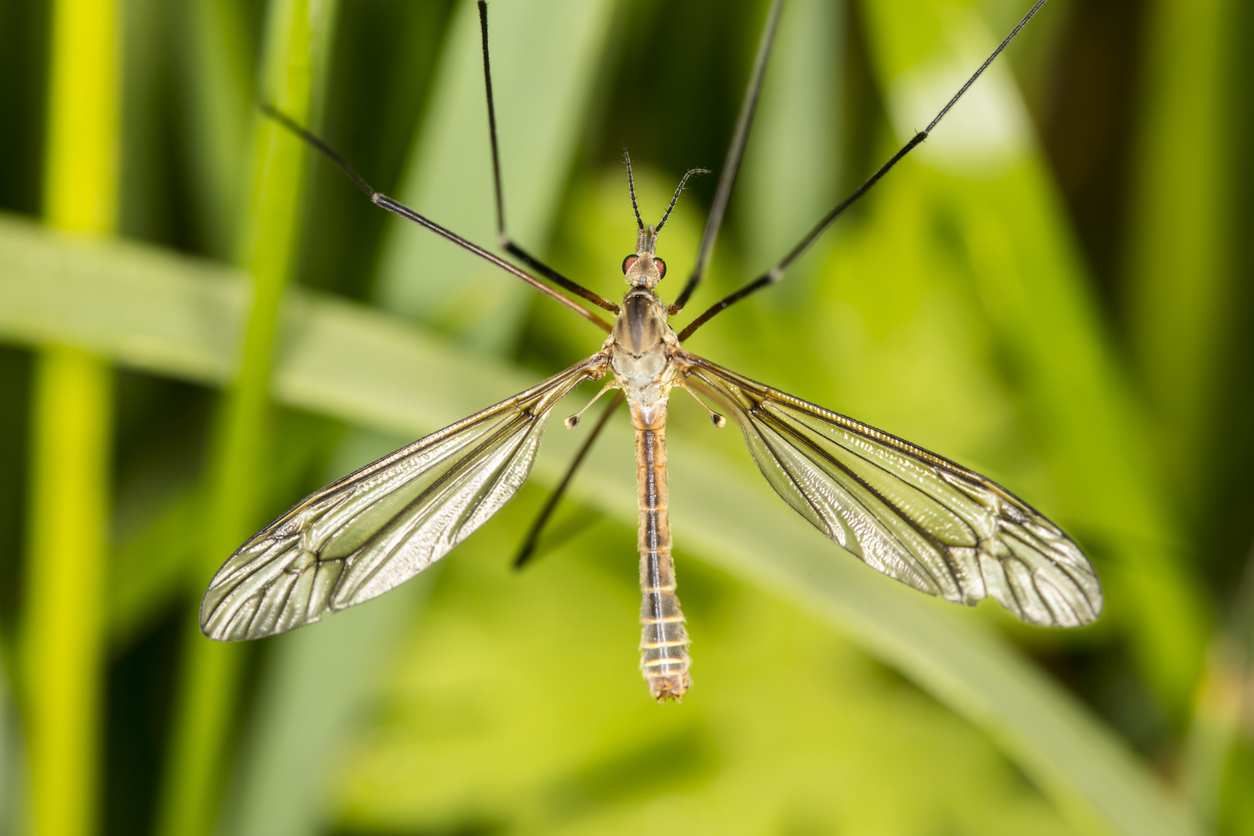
(909, 513)
(380, 526)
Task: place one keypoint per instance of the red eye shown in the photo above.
(628, 261)
(661, 267)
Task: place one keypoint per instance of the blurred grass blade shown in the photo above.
(347, 361)
(1180, 277)
(1222, 708)
(791, 166)
(297, 38)
(987, 178)
(1183, 307)
(8, 757)
(12, 758)
(314, 693)
(72, 406)
(215, 73)
(149, 571)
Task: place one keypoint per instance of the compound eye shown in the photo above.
(661, 267)
(628, 261)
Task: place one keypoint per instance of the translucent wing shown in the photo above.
(387, 522)
(911, 514)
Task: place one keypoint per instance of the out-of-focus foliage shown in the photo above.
(1015, 295)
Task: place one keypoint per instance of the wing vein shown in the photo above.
(913, 515)
(888, 503)
(387, 521)
(456, 470)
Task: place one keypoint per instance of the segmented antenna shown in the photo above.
(631, 187)
(675, 198)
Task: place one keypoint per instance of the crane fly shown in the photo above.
(911, 514)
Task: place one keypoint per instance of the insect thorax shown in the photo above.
(640, 347)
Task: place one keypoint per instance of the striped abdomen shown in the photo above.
(663, 641)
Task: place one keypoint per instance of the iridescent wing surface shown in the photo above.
(380, 526)
(913, 515)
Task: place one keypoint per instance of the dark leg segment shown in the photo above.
(528, 548)
(735, 151)
(398, 208)
(502, 238)
(777, 272)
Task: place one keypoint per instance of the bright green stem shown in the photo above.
(296, 41)
(72, 409)
(64, 587)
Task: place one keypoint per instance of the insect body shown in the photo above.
(911, 514)
(641, 350)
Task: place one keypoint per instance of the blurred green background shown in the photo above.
(199, 325)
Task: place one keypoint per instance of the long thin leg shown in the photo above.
(397, 208)
(502, 238)
(735, 151)
(528, 548)
(777, 272)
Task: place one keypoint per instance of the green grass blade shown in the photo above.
(791, 167)
(72, 406)
(296, 43)
(1180, 277)
(1215, 731)
(215, 73)
(1183, 301)
(350, 362)
(12, 759)
(149, 569)
(313, 695)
